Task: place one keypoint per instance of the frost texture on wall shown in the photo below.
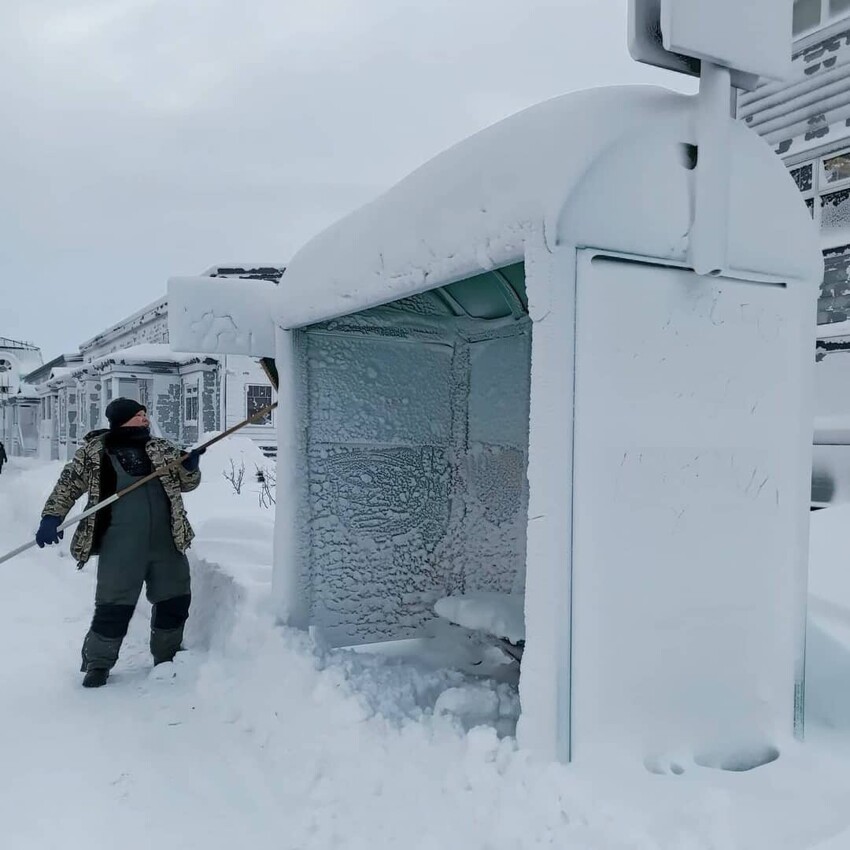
(416, 452)
(210, 400)
(167, 409)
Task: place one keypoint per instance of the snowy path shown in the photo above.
(83, 767)
(259, 741)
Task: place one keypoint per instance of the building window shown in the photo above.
(806, 15)
(810, 14)
(825, 186)
(835, 211)
(803, 177)
(145, 394)
(836, 168)
(259, 396)
(834, 301)
(191, 401)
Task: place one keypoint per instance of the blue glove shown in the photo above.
(47, 532)
(193, 461)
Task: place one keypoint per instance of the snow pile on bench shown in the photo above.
(498, 614)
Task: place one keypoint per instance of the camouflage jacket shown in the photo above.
(82, 474)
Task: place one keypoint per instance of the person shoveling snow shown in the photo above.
(140, 539)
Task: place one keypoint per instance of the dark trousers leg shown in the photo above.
(168, 618)
(121, 568)
(169, 590)
(103, 641)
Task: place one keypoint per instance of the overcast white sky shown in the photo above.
(147, 138)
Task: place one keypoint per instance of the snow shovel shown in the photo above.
(259, 414)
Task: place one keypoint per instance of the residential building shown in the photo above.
(187, 395)
(18, 401)
(806, 119)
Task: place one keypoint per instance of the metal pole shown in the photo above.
(711, 202)
(259, 414)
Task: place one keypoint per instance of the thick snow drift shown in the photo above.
(256, 737)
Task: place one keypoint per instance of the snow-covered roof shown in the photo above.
(144, 353)
(26, 391)
(59, 374)
(148, 311)
(42, 373)
(5, 342)
(602, 168)
(247, 271)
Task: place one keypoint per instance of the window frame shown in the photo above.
(825, 18)
(821, 189)
(824, 8)
(248, 411)
(826, 185)
(192, 393)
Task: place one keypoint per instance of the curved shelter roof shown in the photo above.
(609, 168)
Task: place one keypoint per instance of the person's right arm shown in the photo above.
(70, 486)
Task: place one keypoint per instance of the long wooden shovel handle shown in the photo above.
(259, 414)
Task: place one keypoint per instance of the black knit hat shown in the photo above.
(122, 410)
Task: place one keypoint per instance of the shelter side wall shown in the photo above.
(689, 505)
(380, 476)
(416, 459)
(544, 725)
(495, 464)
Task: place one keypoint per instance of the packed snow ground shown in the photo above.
(256, 737)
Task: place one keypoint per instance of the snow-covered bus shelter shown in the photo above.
(566, 364)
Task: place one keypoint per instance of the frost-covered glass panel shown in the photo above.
(803, 177)
(425, 304)
(499, 391)
(834, 299)
(495, 467)
(806, 15)
(835, 211)
(838, 7)
(515, 276)
(480, 297)
(837, 168)
(376, 390)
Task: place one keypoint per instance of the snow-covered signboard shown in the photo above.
(750, 37)
(504, 377)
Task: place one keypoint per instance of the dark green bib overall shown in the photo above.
(138, 547)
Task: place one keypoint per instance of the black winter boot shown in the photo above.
(95, 677)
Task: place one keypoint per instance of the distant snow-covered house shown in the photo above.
(180, 392)
(186, 395)
(806, 120)
(18, 403)
(52, 389)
